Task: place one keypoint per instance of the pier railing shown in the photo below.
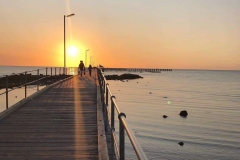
(36, 78)
(117, 148)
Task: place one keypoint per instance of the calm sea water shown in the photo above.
(7, 70)
(212, 99)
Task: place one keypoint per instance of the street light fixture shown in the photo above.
(86, 57)
(65, 41)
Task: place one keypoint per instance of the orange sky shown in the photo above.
(186, 34)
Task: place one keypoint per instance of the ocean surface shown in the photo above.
(211, 130)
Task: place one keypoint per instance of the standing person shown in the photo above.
(90, 69)
(81, 67)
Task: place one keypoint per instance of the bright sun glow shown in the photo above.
(72, 50)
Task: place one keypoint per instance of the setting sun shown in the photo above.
(72, 50)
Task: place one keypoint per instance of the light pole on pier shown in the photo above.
(86, 57)
(65, 41)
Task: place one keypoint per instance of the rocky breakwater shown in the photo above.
(22, 79)
(126, 76)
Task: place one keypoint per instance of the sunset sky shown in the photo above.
(177, 34)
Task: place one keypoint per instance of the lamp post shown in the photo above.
(86, 57)
(65, 41)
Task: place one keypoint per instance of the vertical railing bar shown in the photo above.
(38, 80)
(25, 84)
(55, 77)
(104, 86)
(46, 76)
(6, 92)
(102, 98)
(51, 76)
(112, 127)
(121, 137)
(112, 113)
(107, 94)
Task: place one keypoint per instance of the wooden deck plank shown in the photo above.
(61, 123)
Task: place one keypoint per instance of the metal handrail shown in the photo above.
(25, 84)
(123, 125)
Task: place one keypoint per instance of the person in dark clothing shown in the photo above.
(90, 69)
(81, 67)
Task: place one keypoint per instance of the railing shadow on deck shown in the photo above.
(117, 147)
(39, 78)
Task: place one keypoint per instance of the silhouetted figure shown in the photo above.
(90, 69)
(81, 67)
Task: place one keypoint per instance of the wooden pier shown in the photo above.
(61, 123)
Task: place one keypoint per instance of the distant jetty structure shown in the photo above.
(154, 70)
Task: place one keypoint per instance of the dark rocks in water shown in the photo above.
(19, 80)
(181, 143)
(183, 113)
(165, 116)
(122, 77)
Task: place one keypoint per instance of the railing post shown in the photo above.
(6, 92)
(121, 137)
(46, 76)
(38, 80)
(104, 86)
(112, 112)
(102, 93)
(25, 84)
(51, 76)
(100, 77)
(55, 77)
(112, 127)
(107, 94)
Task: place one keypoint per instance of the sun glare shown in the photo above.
(72, 50)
